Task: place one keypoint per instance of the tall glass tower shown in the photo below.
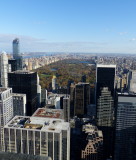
(105, 78)
(15, 48)
(125, 131)
(16, 54)
(105, 81)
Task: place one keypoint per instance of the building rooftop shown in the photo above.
(2, 89)
(22, 72)
(38, 123)
(18, 94)
(82, 83)
(49, 113)
(106, 65)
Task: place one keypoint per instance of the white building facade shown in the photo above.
(38, 136)
(4, 69)
(6, 110)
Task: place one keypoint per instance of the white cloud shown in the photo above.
(123, 33)
(133, 39)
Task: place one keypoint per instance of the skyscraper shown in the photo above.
(72, 98)
(132, 81)
(105, 104)
(16, 49)
(25, 82)
(16, 54)
(13, 64)
(82, 98)
(38, 91)
(19, 104)
(6, 110)
(4, 69)
(125, 132)
(66, 108)
(105, 77)
(105, 81)
(105, 88)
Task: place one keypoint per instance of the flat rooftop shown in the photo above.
(3, 89)
(49, 113)
(18, 94)
(106, 65)
(22, 72)
(38, 124)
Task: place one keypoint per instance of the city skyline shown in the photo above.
(69, 26)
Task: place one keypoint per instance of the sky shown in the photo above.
(91, 26)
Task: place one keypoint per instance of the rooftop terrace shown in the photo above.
(49, 113)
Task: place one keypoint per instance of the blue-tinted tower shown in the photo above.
(16, 54)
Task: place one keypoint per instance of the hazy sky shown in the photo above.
(100, 26)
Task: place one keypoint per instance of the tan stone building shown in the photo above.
(92, 144)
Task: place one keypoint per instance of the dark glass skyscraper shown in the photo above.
(105, 85)
(105, 78)
(25, 82)
(125, 132)
(82, 98)
(16, 54)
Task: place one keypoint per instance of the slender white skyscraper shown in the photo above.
(4, 69)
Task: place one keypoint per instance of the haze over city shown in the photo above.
(99, 26)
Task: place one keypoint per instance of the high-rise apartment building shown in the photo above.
(16, 54)
(125, 131)
(25, 82)
(66, 108)
(4, 69)
(6, 110)
(82, 98)
(19, 104)
(38, 135)
(105, 88)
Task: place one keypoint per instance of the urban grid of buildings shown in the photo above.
(75, 123)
